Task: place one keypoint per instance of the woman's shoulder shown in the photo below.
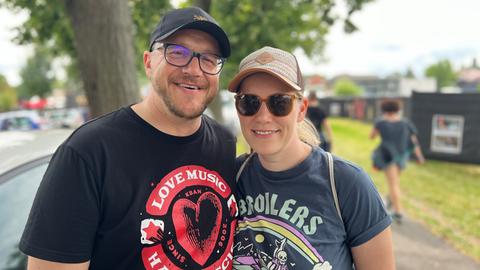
(347, 167)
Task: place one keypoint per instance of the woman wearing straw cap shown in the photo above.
(300, 208)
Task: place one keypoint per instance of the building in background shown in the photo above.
(374, 86)
(468, 80)
(318, 84)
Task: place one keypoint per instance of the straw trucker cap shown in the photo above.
(281, 64)
(190, 18)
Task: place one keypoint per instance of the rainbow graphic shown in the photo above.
(282, 230)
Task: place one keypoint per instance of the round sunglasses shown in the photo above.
(277, 104)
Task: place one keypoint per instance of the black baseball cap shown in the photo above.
(190, 18)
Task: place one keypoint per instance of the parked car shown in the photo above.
(24, 157)
(20, 120)
(65, 118)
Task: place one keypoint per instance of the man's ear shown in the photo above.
(303, 109)
(147, 60)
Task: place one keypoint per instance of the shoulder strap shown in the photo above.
(332, 184)
(331, 174)
(240, 170)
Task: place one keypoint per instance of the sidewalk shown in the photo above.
(416, 248)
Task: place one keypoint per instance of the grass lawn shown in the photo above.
(444, 196)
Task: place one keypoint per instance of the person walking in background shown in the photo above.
(318, 116)
(151, 185)
(398, 141)
(293, 210)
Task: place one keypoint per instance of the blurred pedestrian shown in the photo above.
(148, 186)
(319, 118)
(398, 141)
(299, 206)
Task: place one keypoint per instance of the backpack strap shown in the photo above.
(242, 167)
(332, 184)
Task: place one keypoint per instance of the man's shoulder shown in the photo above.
(216, 128)
(97, 129)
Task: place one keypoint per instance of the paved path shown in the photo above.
(416, 248)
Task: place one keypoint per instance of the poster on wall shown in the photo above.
(447, 133)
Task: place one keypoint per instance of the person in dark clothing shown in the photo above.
(398, 141)
(318, 117)
(151, 185)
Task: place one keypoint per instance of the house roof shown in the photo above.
(469, 75)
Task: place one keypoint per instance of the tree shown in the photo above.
(409, 74)
(36, 75)
(285, 24)
(8, 97)
(443, 73)
(98, 35)
(103, 34)
(346, 87)
(102, 31)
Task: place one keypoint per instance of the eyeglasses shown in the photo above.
(180, 56)
(277, 104)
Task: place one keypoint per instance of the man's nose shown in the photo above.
(193, 67)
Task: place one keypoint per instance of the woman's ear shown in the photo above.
(303, 109)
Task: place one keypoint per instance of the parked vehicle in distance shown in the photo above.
(65, 118)
(24, 158)
(20, 120)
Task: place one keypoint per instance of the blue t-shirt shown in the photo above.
(288, 219)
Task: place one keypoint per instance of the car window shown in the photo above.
(17, 194)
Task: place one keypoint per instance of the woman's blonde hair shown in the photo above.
(308, 133)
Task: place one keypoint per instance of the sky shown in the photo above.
(397, 34)
(394, 35)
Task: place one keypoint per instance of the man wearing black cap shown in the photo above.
(148, 186)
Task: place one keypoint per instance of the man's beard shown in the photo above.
(176, 110)
(190, 115)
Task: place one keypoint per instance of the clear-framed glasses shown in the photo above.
(277, 104)
(180, 56)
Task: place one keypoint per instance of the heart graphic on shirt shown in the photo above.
(197, 225)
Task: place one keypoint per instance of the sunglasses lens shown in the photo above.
(247, 105)
(280, 105)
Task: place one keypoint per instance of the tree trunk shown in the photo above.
(103, 31)
(216, 105)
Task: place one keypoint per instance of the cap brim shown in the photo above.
(207, 27)
(235, 82)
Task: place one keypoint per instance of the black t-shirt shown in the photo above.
(316, 115)
(124, 195)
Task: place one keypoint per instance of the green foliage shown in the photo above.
(8, 96)
(146, 14)
(250, 24)
(346, 87)
(442, 72)
(478, 88)
(36, 75)
(409, 74)
(47, 25)
(285, 24)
